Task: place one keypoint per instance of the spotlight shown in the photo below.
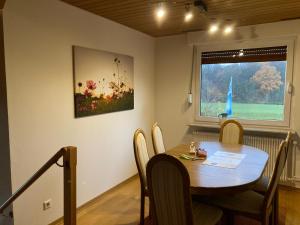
(160, 11)
(188, 15)
(213, 28)
(228, 29)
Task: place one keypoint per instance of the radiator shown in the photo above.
(267, 144)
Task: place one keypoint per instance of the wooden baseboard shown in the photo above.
(92, 201)
(288, 188)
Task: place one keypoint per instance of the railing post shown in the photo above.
(70, 161)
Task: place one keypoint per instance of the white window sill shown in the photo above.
(258, 130)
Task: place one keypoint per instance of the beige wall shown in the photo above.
(173, 67)
(39, 35)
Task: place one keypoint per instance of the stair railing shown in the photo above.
(69, 155)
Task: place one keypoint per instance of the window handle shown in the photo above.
(290, 88)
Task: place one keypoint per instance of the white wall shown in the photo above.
(173, 67)
(39, 35)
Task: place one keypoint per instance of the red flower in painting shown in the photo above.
(87, 93)
(91, 85)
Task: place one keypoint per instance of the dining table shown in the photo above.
(209, 179)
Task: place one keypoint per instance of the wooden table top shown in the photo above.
(211, 180)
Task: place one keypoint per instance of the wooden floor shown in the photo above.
(120, 206)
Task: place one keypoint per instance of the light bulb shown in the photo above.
(213, 28)
(188, 16)
(160, 12)
(228, 29)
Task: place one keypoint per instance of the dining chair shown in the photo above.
(231, 132)
(157, 139)
(252, 204)
(262, 185)
(169, 193)
(141, 159)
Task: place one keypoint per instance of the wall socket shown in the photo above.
(47, 204)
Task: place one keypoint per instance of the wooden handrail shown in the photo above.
(69, 155)
(36, 176)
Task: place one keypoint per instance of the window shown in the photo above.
(248, 84)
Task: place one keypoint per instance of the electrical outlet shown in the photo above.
(47, 204)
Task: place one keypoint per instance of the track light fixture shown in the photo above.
(160, 13)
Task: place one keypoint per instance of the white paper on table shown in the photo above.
(230, 155)
(225, 159)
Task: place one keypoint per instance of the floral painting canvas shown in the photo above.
(103, 82)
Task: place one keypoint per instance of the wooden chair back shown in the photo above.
(168, 185)
(279, 166)
(288, 139)
(141, 155)
(157, 140)
(231, 132)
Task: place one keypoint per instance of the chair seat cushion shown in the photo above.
(262, 185)
(206, 215)
(249, 202)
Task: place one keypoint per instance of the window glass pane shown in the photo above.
(247, 90)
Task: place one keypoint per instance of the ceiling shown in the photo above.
(139, 14)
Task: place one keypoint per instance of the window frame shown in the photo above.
(229, 45)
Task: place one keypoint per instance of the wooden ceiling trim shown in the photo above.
(108, 5)
(179, 13)
(138, 6)
(151, 16)
(133, 9)
(179, 17)
(136, 19)
(128, 12)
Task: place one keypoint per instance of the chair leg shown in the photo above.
(142, 213)
(272, 216)
(266, 220)
(230, 218)
(150, 210)
(276, 207)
